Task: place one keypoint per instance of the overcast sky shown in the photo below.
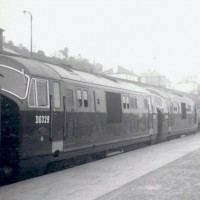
(138, 34)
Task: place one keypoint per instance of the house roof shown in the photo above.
(118, 70)
(151, 73)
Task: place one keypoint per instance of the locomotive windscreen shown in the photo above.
(114, 107)
(13, 81)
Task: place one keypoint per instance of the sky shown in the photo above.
(162, 35)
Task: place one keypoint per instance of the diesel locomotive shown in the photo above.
(51, 113)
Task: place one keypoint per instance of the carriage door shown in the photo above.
(70, 117)
(56, 117)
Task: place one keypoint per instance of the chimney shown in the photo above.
(1, 39)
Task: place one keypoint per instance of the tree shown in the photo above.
(65, 52)
(40, 55)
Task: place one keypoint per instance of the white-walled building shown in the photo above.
(121, 72)
(153, 78)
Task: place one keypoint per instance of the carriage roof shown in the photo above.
(170, 95)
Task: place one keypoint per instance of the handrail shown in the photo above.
(51, 119)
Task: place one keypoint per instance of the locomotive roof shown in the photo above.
(45, 70)
(31, 67)
(96, 79)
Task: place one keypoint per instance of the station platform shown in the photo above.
(170, 170)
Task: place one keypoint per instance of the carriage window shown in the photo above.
(79, 98)
(124, 102)
(127, 102)
(189, 108)
(179, 108)
(176, 107)
(56, 91)
(42, 93)
(85, 98)
(131, 103)
(32, 94)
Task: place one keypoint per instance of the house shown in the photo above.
(58, 54)
(121, 72)
(189, 84)
(2, 47)
(153, 78)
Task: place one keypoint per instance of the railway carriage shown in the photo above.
(177, 114)
(50, 113)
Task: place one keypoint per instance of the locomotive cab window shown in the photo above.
(32, 94)
(38, 95)
(14, 81)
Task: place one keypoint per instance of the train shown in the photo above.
(51, 113)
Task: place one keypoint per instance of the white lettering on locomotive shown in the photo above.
(42, 119)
